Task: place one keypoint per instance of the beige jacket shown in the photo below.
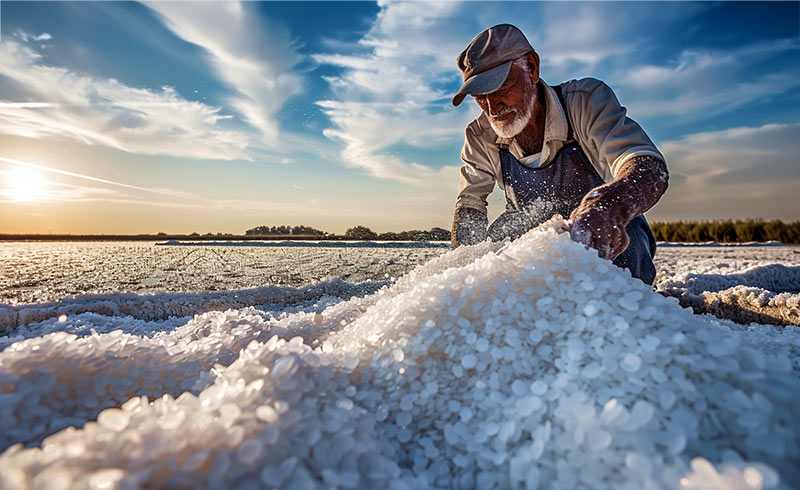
(600, 126)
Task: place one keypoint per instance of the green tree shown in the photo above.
(439, 234)
(360, 232)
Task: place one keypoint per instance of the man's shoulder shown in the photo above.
(480, 127)
(583, 85)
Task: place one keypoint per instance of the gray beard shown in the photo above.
(509, 129)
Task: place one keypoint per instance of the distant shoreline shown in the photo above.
(160, 238)
(293, 238)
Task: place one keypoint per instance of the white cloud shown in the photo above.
(396, 89)
(255, 57)
(703, 83)
(737, 172)
(101, 111)
(391, 93)
(26, 37)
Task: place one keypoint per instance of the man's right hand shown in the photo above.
(469, 227)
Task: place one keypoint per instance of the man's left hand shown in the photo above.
(600, 229)
(600, 219)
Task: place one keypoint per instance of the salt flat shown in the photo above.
(36, 272)
(529, 365)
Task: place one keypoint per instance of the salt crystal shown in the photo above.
(538, 387)
(250, 451)
(272, 477)
(283, 367)
(469, 361)
(641, 414)
(270, 435)
(599, 439)
(527, 405)
(666, 398)
(631, 363)
(592, 370)
(403, 419)
(639, 463)
(407, 402)
(229, 412)
(114, 419)
(519, 387)
(106, 478)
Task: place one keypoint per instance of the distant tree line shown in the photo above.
(363, 233)
(359, 232)
(284, 230)
(727, 231)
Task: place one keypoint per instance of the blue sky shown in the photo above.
(181, 117)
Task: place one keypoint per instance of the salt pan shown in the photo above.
(524, 385)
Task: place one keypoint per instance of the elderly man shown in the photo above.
(566, 149)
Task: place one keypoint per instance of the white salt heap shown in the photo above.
(535, 366)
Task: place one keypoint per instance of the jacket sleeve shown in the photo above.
(603, 129)
(477, 180)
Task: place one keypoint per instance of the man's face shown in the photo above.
(509, 108)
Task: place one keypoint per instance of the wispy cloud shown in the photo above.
(27, 37)
(592, 35)
(706, 82)
(253, 54)
(738, 172)
(392, 91)
(99, 111)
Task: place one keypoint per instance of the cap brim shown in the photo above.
(483, 83)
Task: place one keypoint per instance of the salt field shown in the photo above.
(36, 272)
(533, 364)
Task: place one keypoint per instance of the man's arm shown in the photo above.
(635, 171)
(477, 182)
(600, 219)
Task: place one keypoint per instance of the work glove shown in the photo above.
(601, 228)
(469, 227)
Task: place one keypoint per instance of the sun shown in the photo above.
(24, 184)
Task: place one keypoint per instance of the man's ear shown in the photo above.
(533, 64)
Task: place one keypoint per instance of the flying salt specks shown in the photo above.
(532, 364)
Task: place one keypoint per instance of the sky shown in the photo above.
(180, 117)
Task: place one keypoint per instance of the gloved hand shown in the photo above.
(469, 227)
(600, 219)
(600, 227)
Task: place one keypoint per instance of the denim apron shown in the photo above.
(534, 195)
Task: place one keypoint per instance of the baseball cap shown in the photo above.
(487, 60)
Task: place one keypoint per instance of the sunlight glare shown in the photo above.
(25, 184)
